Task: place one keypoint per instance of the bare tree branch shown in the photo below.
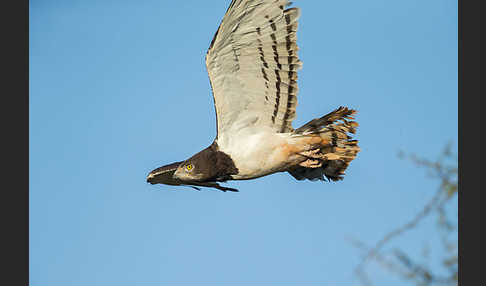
(446, 172)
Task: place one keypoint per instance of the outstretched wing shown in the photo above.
(252, 64)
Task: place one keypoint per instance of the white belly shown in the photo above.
(255, 154)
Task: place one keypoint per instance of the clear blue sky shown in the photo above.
(118, 88)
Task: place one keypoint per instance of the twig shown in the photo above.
(437, 201)
(398, 231)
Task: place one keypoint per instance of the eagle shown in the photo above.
(252, 63)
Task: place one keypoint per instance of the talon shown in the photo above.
(312, 154)
(309, 163)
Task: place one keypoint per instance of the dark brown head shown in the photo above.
(208, 165)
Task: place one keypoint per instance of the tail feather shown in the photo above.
(316, 125)
(337, 149)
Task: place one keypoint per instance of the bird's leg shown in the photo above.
(313, 158)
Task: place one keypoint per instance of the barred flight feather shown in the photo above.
(252, 64)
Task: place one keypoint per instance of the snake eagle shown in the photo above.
(252, 63)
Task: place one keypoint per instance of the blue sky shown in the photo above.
(118, 88)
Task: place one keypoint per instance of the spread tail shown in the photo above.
(334, 152)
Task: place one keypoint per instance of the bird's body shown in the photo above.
(256, 153)
(252, 63)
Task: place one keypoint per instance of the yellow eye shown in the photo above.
(189, 167)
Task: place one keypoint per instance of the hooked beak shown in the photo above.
(150, 178)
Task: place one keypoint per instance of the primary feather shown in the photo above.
(252, 64)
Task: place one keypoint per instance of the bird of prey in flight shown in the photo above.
(252, 63)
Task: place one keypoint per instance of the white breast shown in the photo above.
(255, 152)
